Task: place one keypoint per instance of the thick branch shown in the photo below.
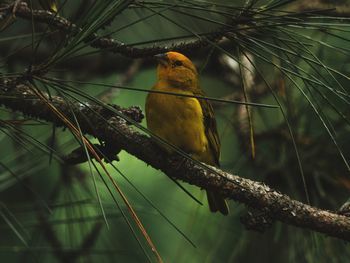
(116, 133)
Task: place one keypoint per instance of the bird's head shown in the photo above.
(176, 69)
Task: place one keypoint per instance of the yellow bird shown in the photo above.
(185, 122)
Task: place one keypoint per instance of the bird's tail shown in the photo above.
(217, 203)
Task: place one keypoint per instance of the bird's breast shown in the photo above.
(178, 120)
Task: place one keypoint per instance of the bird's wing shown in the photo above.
(210, 126)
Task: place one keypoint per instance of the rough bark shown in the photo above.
(109, 127)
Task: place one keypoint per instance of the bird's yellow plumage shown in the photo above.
(185, 122)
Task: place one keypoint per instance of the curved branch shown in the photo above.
(107, 43)
(115, 132)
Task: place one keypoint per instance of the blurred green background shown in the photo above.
(50, 212)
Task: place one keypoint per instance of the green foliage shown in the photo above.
(294, 59)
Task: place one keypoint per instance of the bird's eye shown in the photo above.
(177, 63)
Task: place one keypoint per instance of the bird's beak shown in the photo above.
(162, 59)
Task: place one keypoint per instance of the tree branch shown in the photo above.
(107, 43)
(116, 132)
(330, 7)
